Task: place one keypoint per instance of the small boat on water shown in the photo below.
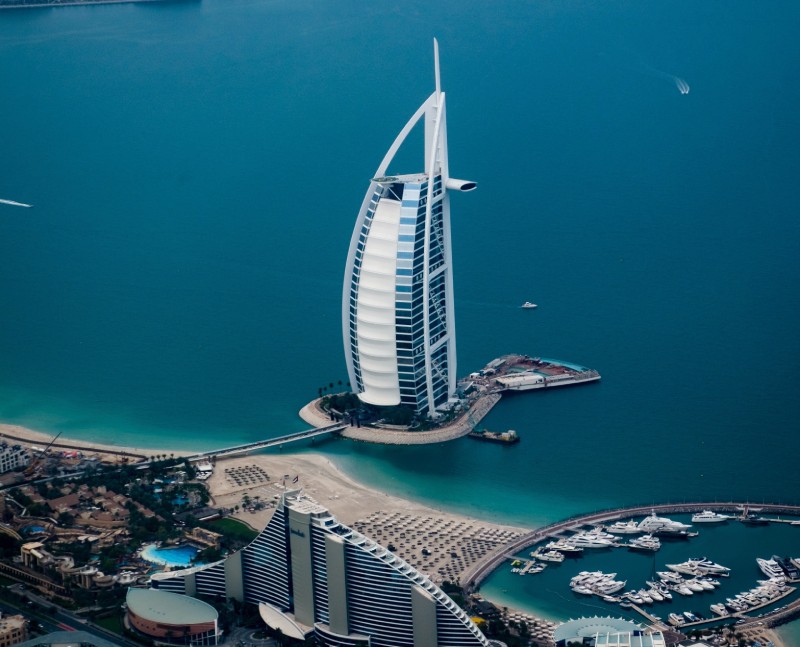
(708, 516)
(624, 528)
(645, 542)
(528, 305)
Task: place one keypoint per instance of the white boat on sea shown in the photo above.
(589, 540)
(528, 305)
(653, 523)
(548, 555)
(700, 566)
(624, 528)
(708, 516)
(771, 569)
(645, 542)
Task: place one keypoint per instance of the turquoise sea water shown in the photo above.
(197, 167)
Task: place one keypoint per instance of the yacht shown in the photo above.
(645, 596)
(645, 542)
(548, 555)
(700, 566)
(528, 305)
(675, 619)
(590, 540)
(683, 589)
(624, 528)
(707, 516)
(610, 586)
(653, 524)
(719, 609)
(791, 571)
(690, 616)
(565, 547)
(667, 576)
(655, 594)
(771, 569)
(694, 586)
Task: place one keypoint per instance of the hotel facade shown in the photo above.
(312, 576)
(397, 301)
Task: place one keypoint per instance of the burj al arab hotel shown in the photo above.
(397, 302)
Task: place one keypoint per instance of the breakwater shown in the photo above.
(473, 577)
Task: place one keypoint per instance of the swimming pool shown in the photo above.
(177, 556)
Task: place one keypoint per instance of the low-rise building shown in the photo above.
(171, 617)
(13, 630)
(13, 457)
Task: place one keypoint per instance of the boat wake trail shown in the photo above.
(683, 86)
(15, 204)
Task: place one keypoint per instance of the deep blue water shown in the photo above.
(197, 167)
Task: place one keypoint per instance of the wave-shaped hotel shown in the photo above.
(397, 302)
(311, 575)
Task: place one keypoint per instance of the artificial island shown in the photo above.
(398, 317)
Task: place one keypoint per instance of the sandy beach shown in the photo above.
(439, 543)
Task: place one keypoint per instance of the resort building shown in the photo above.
(13, 457)
(312, 576)
(13, 630)
(168, 617)
(397, 301)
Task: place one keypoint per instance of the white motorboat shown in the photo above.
(548, 555)
(645, 542)
(708, 516)
(720, 610)
(528, 305)
(771, 569)
(590, 540)
(700, 566)
(564, 547)
(624, 528)
(654, 523)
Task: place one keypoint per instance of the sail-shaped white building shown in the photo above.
(397, 301)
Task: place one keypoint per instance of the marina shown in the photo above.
(696, 575)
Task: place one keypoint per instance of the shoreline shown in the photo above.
(355, 504)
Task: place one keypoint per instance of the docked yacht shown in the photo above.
(565, 547)
(720, 610)
(589, 540)
(771, 569)
(653, 524)
(700, 566)
(676, 620)
(791, 571)
(645, 542)
(707, 516)
(548, 555)
(624, 528)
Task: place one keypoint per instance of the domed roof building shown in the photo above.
(606, 631)
(172, 617)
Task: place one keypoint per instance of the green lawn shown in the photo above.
(234, 528)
